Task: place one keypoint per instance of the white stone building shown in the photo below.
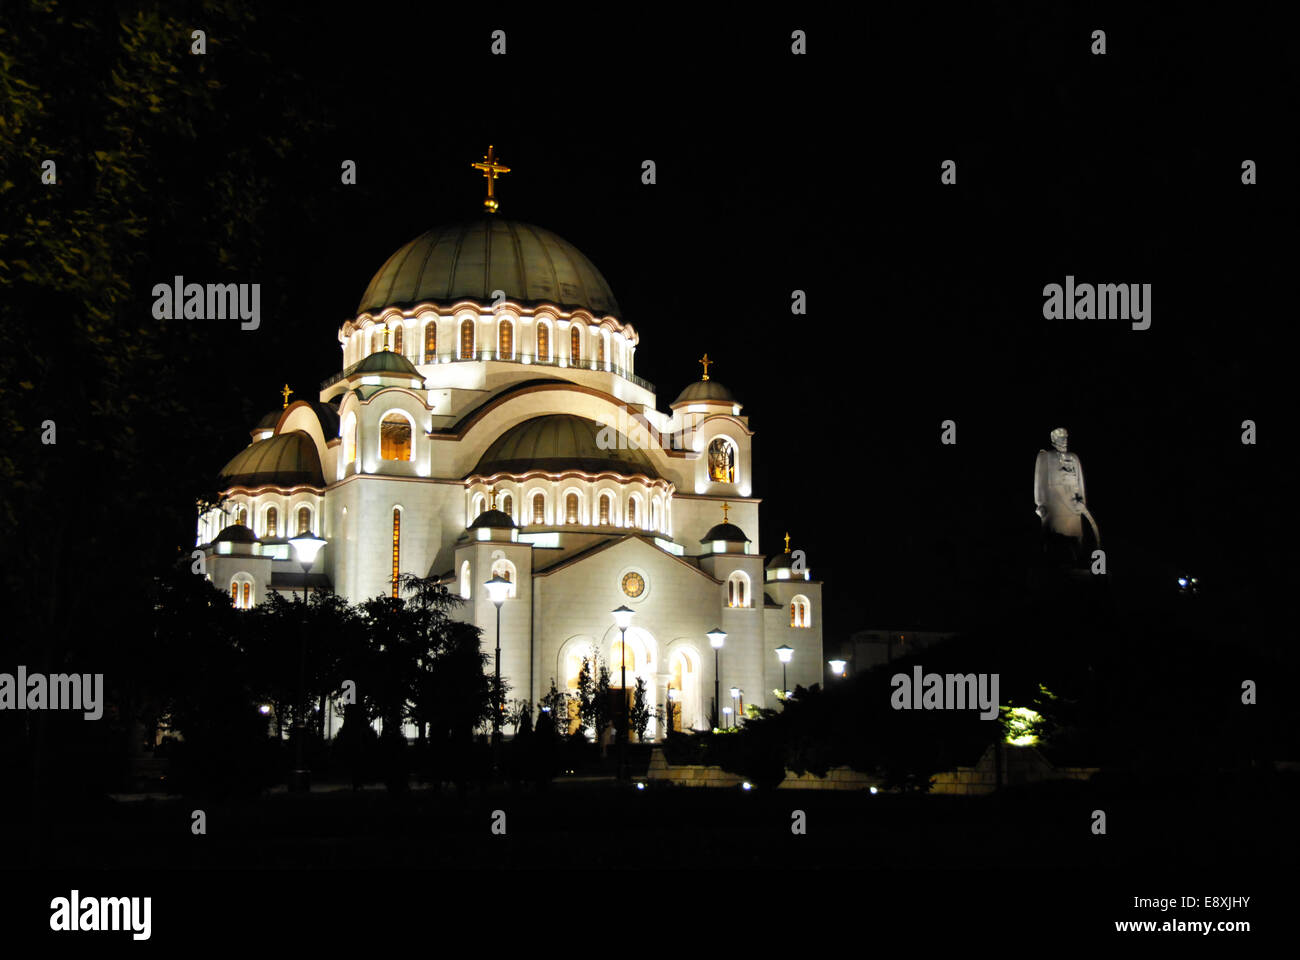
(488, 361)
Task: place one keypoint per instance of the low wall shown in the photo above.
(702, 775)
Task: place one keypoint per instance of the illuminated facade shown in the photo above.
(487, 420)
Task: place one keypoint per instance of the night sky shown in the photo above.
(821, 173)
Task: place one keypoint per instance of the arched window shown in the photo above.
(241, 517)
(575, 345)
(350, 438)
(543, 341)
(800, 612)
(304, 520)
(738, 590)
(397, 339)
(272, 522)
(616, 662)
(241, 591)
(506, 571)
(571, 508)
(604, 509)
(722, 461)
(539, 508)
(248, 595)
(376, 344)
(234, 593)
(508, 506)
(395, 438)
(464, 580)
(631, 512)
(480, 504)
(505, 340)
(397, 545)
(467, 339)
(654, 514)
(600, 348)
(430, 341)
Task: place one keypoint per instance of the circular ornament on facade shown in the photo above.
(633, 584)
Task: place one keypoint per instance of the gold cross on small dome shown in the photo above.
(787, 542)
(491, 170)
(706, 361)
(285, 393)
(725, 508)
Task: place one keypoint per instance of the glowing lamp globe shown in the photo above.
(837, 666)
(623, 617)
(716, 638)
(785, 652)
(498, 590)
(306, 547)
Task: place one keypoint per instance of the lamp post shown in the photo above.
(726, 717)
(623, 619)
(735, 695)
(837, 666)
(305, 548)
(716, 639)
(784, 652)
(498, 588)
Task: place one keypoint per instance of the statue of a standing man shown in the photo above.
(1059, 494)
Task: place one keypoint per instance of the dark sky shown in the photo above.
(821, 173)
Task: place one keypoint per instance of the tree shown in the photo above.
(602, 712)
(640, 715)
(586, 698)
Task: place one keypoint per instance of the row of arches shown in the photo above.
(575, 506)
(580, 344)
(273, 520)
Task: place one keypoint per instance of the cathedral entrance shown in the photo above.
(684, 690)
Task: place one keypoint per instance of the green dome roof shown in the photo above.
(563, 442)
(286, 460)
(492, 518)
(235, 533)
(704, 391)
(470, 260)
(387, 363)
(725, 531)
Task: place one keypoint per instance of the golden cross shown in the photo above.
(285, 393)
(706, 361)
(491, 170)
(725, 507)
(492, 498)
(787, 543)
(385, 338)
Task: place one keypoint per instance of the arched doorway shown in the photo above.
(684, 688)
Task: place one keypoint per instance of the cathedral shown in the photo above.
(487, 424)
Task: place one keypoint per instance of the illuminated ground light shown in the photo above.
(747, 785)
(1022, 726)
(640, 785)
(874, 790)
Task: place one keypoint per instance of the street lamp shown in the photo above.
(785, 652)
(717, 637)
(837, 666)
(726, 716)
(623, 619)
(735, 695)
(498, 588)
(305, 547)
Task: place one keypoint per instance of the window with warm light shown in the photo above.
(506, 571)
(397, 545)
(722, 461)
(505, 340)
(304, 520)
(543, 341)
(539, 508)
(604, 509)
(571, 508)
(575, 344)
(467, 339)
(800, 612)
(430, 341)
(395, 438)
(631, 512)
(397, 339)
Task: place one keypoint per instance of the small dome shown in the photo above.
(386, 363)
(235, 533)
(725, 531)
(492, 518)
(564, 442)
(704, 391)
(782, 561)
(467, 261)
(287, 460)
(269, 421)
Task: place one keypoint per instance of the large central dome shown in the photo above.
(471, 260)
